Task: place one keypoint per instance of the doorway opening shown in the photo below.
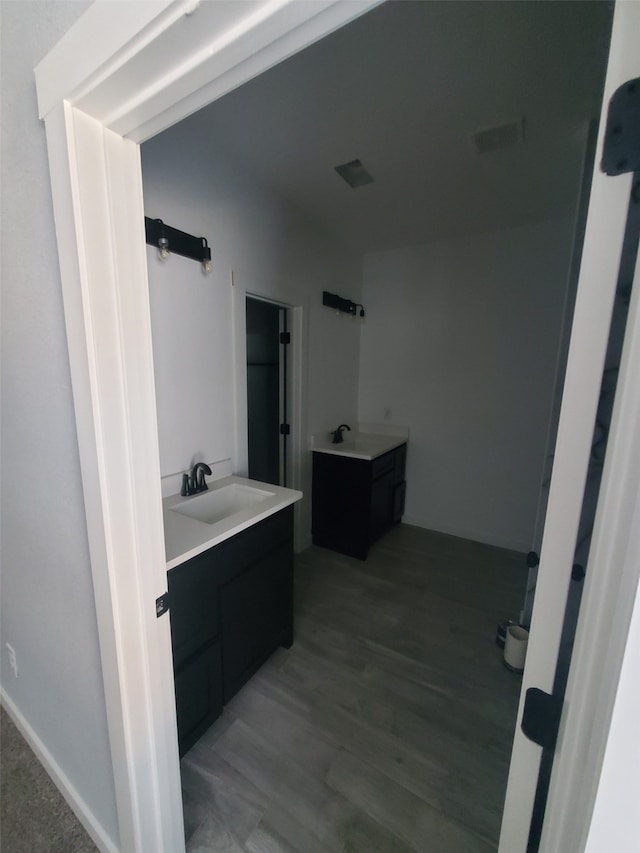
(265, 321)
(268, 428)
(88, 176)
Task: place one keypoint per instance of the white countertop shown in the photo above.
(186, 537)
(359, 445)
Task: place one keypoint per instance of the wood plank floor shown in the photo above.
(387, 727)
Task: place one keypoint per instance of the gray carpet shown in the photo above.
(34, 816)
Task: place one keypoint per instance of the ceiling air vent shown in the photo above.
(354, 173)
(500, 136)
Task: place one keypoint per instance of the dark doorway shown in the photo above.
(266, 391)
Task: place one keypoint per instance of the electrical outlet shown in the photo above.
(13, 663)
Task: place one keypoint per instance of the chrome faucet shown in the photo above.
(337, 433)
(195, 483)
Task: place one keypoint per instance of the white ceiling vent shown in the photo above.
(501, 136)
(354, 173)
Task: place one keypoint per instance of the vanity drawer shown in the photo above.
(238, 553)
(382, 464)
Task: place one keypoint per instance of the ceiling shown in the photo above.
(403, 88)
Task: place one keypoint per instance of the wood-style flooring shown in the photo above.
(387, 727)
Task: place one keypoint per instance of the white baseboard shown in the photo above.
(59, 778)
(473, 535)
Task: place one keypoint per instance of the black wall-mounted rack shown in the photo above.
(332, 300)
(177, 242)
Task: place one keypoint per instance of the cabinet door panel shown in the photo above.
(400, 463)
(381, 505)
(198, 686)
(257, 616)
(381, 465)
(193, 605)
(399, 493)
(340, 505)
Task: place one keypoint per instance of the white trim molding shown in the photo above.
(609, 598)
(59, 777)
(96, 183)
(578, 757)
(155, 63)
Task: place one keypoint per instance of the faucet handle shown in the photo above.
(185, 490)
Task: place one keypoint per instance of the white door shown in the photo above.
(596, 291)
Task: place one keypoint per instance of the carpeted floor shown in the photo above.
(34, 816)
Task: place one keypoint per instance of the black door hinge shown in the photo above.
(285, 429)
(285, 337)
(162, 604)
(541, 717)
(621, 150)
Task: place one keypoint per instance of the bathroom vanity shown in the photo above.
(231, 602)
(358, 491)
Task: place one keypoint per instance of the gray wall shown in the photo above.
(460, 343)
(272, 250)
(48, 610)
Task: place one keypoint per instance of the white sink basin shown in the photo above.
(358, 444)
(195, 524)
(218, 504)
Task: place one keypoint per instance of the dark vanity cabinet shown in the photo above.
(355, 501)
(230, 608)
(255, 571)
(196, 646)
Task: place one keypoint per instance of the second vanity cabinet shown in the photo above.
(356, 500)
(230, 608)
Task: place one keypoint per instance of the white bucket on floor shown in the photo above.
(515, 647)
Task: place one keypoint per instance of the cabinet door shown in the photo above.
(257, 616)
(193, 610)
(399, 493)
(198, 686)
(381, 505)
(382, 464)
(341, 504)
(400, 463)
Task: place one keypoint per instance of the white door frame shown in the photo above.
(124, 72)
(297, 409)
(285, 415)
(600, 636)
